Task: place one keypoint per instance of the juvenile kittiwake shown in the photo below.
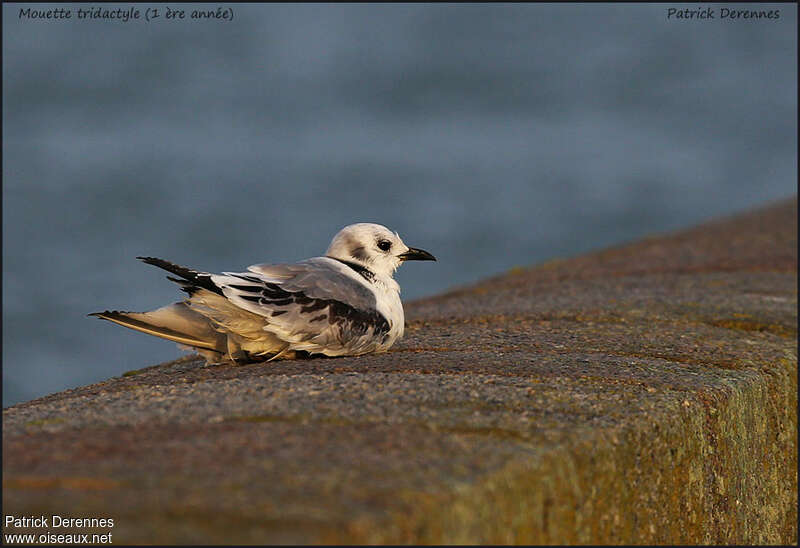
(343, 304)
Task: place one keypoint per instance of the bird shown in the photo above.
(345, 303)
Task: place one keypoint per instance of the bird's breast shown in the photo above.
(390, 307)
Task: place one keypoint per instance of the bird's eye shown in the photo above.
(384, 245)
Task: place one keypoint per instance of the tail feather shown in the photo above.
(174, 322)
(219, 330)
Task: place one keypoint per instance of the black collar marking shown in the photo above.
(365, 272)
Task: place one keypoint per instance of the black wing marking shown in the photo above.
(356, 321)
(192, 279)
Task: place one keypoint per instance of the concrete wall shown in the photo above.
(642, 394)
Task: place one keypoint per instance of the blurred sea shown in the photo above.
(492, 136)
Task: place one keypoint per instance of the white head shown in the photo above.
(374, 247)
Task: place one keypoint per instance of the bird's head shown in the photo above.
(374, 247)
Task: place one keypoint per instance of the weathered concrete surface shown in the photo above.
(642, 394)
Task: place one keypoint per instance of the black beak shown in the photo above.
(414, 254)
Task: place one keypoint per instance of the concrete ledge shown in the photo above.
(643, 394)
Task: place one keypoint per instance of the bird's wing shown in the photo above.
(312, 304)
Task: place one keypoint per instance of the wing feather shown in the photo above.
(315, 304)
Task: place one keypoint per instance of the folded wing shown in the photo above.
(316, 305)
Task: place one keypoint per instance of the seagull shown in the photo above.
(343, 304)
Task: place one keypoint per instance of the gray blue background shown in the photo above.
(493, 136)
